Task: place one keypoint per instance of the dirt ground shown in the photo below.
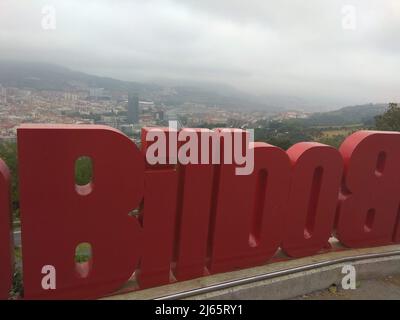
(387, 288)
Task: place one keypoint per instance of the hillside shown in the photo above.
(360, 114)
(42, 76)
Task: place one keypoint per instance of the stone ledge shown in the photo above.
(281, 287)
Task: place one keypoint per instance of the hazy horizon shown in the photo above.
(325, 53)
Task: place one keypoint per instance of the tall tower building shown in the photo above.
(3, 94)
(133, 109)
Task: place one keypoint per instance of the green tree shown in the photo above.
(334, 141)
(8, 152)
(390, 120)
(83, 171)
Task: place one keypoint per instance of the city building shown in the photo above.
(3, 95)
(133, 109)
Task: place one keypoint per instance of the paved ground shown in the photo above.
(387, 288)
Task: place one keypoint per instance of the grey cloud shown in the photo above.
(287, 47)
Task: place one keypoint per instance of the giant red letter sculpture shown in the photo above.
(311, 207)
(248, 222)
(196, 183)
(196, 217)
(58, 215)
(159, 214)
(6, 238)
(370, 195)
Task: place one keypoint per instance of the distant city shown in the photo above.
(125, 111)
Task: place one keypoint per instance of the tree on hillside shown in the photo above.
(8, 152)
(390, 120)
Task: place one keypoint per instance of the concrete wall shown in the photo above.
(281, 287)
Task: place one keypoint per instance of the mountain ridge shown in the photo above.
(42, 76)
(45, 76)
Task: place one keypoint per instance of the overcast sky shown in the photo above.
(304, 48)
